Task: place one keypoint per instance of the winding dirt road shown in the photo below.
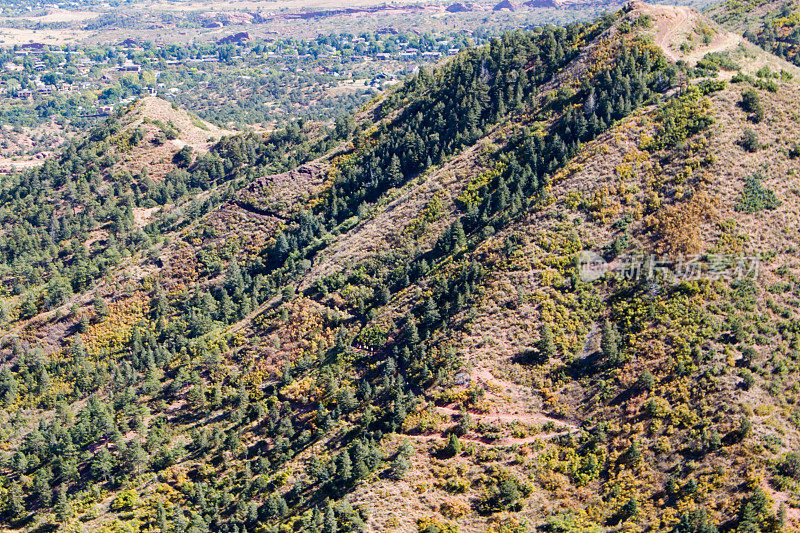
(681, 20)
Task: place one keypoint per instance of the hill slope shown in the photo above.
(394, 326)
(770, 24)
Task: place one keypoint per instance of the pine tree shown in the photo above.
(102, 464)
(465, 423)
(646, 381)
(458, 236)
(609, 343)
(101, 307)
(16, 502)
(135, 457)
(745, 428)
(695, 521)
(630, 509)
(453, 447)
(329, 521)
(344, 467)
(394, 173)
(634, 454)
(63, 507)
(431, 314)
(400, 467)
(547, 345)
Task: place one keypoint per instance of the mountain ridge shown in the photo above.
(327, 327)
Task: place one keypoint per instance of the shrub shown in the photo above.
(504, 496)
(124, 501)
(765, 72)
(749, 140)
(717, 60)
(790, 465)
(751, 103)
(749, 355)
(431, 525)
(748, 380)
(646, 381)
(657, 408)
(755, 197)
(680, 118)
(456, 485)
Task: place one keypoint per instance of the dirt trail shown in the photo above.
(681, 20)
(781, 497)
(508, 441)
(667, 30)
(531, 418)
(499, 414)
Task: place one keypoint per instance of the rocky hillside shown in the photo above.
(150, 135)
(550, 285)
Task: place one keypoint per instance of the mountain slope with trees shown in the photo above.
(384, 324)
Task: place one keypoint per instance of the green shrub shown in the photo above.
(751, 103)
(790, 465)
(680, 118)
(755, 197)
(506, 495)
(749, 140)
(124, 501)
(716, 61)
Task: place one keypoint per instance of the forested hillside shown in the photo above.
(387, 324)
(775, 26)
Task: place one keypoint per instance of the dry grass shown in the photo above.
(148, 113)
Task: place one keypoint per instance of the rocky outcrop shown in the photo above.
(542, 3)
(237, 38)
(459, 7)
(505, 5)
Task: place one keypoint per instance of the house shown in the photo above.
(129, 66)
